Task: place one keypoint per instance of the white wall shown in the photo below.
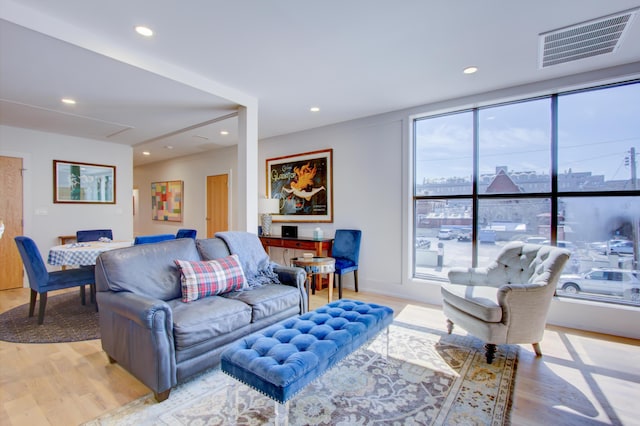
(367, 192)
(193, 171)
(43, 219)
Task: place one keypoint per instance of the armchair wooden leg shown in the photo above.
(490, 352)
(339, 277)
(43, 305)
(449, 326)
(83, 298)
(355, 279)
(536, 349)
(32, 302)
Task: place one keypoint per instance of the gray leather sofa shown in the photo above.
(153, 334)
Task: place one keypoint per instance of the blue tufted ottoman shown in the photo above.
(281, 360)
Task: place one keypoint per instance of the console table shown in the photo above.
(317, 246)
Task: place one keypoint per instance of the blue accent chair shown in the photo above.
(41, 281)
(148, 239)
(93, 235)
(186, 233)
(346, 251)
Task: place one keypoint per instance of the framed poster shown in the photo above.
(303, 183)
(166, 201)
(83, 183)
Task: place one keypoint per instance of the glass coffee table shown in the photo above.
(316, 266)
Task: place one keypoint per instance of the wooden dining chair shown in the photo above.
(41, 281)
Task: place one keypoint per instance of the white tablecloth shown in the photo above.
(82, 253)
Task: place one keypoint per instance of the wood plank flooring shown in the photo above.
(582, 379)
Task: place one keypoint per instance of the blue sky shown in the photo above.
(596, 130)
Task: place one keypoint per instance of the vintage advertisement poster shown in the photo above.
(303, 184)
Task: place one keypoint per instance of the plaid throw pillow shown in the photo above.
(210, 277)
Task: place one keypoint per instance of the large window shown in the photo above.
(558, 170)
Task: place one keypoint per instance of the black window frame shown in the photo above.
(554, 194)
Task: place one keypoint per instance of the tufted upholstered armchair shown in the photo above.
(506, 302)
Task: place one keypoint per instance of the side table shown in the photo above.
(316, 266)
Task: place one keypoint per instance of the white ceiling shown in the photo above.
(351, 58)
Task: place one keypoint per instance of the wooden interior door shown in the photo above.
(217, 204)
(11, 271)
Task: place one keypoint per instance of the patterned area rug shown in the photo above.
(429, 378)
(65, 320)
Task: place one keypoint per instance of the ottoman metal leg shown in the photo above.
(232, 404)
(282, 414)
(386, 344)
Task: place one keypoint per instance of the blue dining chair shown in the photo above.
(93, 235)
(148, 239)
(346, 251)
(41, 281)
(186, 233)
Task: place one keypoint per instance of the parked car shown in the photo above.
(464, 234)
(562, 244)
(487, 236)
(603, 248)
(610, 281)
(536, 240)
(598, 246)
(625, 247)
(446, 234)
(423, 243)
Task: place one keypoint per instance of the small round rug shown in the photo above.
(65, 320)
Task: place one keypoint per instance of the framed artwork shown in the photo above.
(83, 183)
(166, 201)
(303, 183)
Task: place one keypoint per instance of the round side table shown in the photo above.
(316, 266)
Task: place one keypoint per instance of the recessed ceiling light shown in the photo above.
(314, 109)
(144, 31)
(168, 146)
(146, 153)
(470, 70)
(224, 132)
(68, 101)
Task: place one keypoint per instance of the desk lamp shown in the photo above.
(267, 207)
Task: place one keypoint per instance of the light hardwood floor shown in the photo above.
(582, 379)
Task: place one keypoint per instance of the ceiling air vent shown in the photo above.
(592, 38)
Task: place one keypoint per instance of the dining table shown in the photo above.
(82, 254)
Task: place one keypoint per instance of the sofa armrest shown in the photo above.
(144, 311)
(295, 277)
(469, 276)
(137, 332)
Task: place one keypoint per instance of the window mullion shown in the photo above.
(554, 169)
(474, 191)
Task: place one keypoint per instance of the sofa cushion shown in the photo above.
(206, 319)
(267, 300)
(212, 248)
(145, 269)
(210, 277)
